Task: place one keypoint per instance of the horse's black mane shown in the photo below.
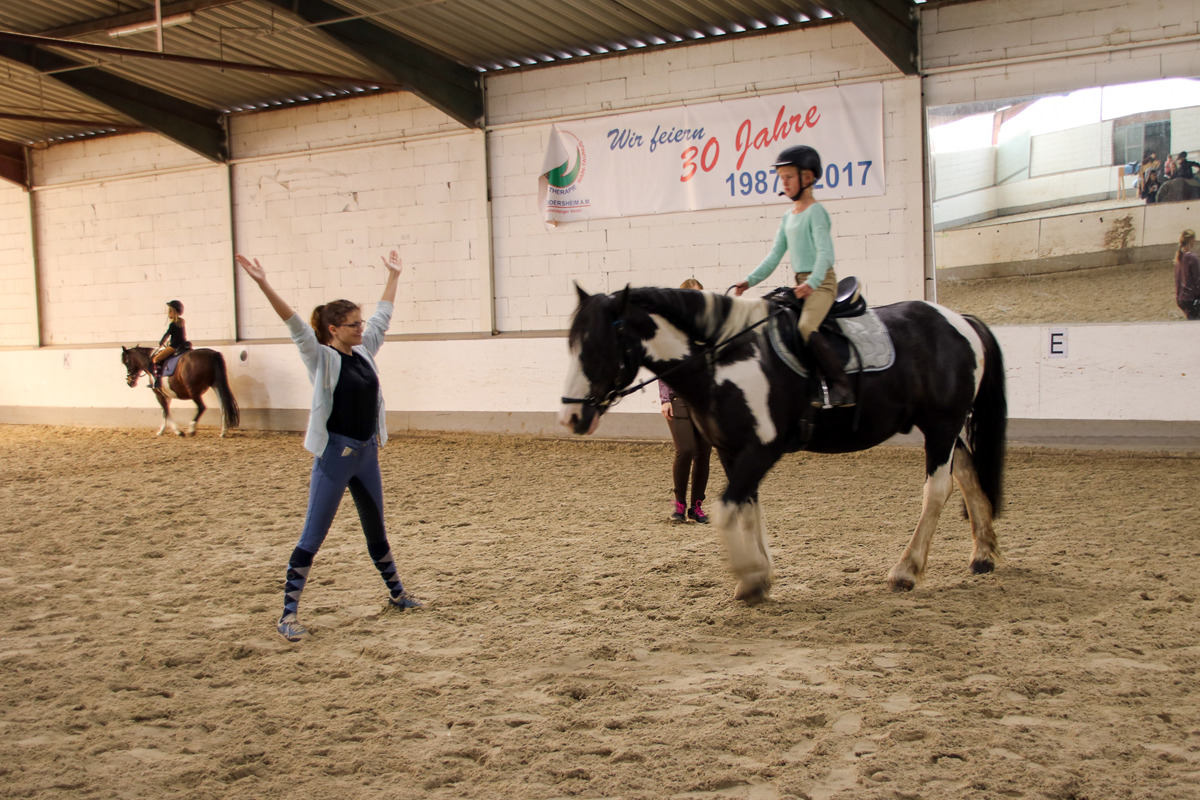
(690, 310)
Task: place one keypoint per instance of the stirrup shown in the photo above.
(825, 400)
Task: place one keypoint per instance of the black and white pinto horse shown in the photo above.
(947, 381)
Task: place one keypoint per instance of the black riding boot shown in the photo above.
(840, 391)
(157, 383)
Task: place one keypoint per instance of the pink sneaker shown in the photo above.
(697, 513)
(678, 515)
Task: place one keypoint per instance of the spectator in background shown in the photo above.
(1152, 186)
(1185, 167)
(692, 451)
(1149, 164)
(1187, 276)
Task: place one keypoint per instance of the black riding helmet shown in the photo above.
(801, 157)
(175, 304)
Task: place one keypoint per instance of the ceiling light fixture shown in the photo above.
(139, 27)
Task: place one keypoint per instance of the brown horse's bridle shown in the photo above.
(132, 370)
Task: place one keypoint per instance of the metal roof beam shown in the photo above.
(444, 84)
(196, 128)
(134, 18)
(134, 53)
(93, 123)
(14, 165)
(892, 25)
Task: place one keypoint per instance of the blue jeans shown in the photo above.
(346, 463)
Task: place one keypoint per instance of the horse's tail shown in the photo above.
(229, 406)
(987, 428)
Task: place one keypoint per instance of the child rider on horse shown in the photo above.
(804, 234)
(172, 341)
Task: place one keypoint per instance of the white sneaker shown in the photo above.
(289, 627)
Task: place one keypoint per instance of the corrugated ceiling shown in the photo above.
(483, 35)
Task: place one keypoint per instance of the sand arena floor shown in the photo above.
(1142, 292)
(575, 643)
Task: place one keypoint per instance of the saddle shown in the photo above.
(856, 334)
(168, 366)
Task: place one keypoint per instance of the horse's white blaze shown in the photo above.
(669, 343)
(970, 334)
(743, 312)
(576, 386)
(748, 376)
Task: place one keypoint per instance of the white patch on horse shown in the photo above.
(748, 376)
(743, 312)
(576, 386)
(669, 343)
(970, 334)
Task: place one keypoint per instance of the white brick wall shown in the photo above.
(878, 239)
(18, 304)
(964, 171)
(1185, 131)
(1077, 148)
(971, 35)
(369, 118)
(320, 223)
(109, 157)
(112, 253)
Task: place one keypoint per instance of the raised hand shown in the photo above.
(392, 262)
(253, 269)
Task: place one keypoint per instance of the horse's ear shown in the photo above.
(623, 300)
(582, 294)
(123, 350)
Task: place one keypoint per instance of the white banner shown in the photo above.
(714, 155)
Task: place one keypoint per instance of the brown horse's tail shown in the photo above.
(229, 406)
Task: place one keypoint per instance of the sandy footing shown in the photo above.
(577, 644)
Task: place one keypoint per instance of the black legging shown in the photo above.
(692, 454)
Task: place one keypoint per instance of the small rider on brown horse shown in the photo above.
(173, 342)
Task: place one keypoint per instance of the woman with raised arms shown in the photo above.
(346, 426)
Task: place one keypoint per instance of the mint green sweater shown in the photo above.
(807, 240)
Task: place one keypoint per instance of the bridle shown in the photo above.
(132, 369)
(631, 363)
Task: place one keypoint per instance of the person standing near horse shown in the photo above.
(346, 426)
(693, 452)
(805, 235)
(172, 342)
(1187, 276)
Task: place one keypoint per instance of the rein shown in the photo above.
(614, 396)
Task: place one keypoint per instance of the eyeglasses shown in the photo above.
(355, 326)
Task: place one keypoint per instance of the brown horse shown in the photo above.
(196, 372)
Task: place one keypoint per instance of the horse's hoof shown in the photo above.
(982, 567)
(751, 593)
(902, 584)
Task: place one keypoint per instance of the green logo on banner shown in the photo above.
(560, 178)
